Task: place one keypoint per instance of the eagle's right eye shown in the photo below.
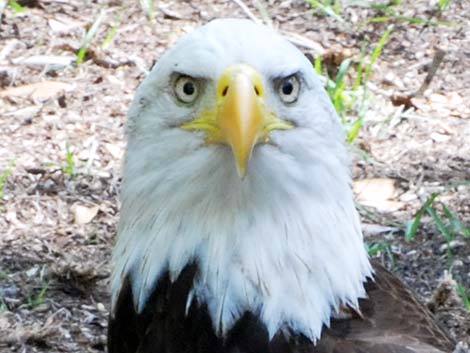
(186, 89)
(288, 89)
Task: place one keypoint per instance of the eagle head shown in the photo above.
(236, 163)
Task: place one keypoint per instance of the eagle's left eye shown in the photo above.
(288, 89)
(186, 89)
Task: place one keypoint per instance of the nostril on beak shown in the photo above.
(224, 92)
(256, 90)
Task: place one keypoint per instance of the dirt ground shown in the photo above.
(62, 142)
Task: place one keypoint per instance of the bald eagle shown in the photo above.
(238, 231)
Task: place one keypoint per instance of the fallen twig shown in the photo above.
(436, 61)
(247, 11)
(301, 41)
(405, 99)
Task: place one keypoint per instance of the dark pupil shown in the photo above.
(287, 87)
(188, 88)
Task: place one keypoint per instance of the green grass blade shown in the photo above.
(354, 132)
(443, 5)
(360, 69)
(379, 19)
(376, 53)
(342, 71)
(89, 37)
(327, 10)
(375, 248)
(15, 6)
(448, 234)
(385, 7)
(69, 167)
(35, 301)
(318, 64)
(337, 93)
(413, 225)
(461, 291)
(111, 34)
(455, 223)
(109, 37)
(413, 20)
(423, 21)
(4, 177)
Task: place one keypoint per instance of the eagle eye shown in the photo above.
(289, 89)
(186, 89)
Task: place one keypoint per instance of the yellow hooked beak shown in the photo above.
(240, 119)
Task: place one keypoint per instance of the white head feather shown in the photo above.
(285, 241)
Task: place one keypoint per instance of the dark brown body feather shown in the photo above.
(392, 321)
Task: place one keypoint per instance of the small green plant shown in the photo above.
(15, 6)
(465, 295)
(410, 20)
(350, 102)
(446, 222)
(69, 167)
(4, 177)
(111, 33)
(336, 89)
(455, 224)
(330, 8)
(375, 55)
(443, 4)
(339, 95)
(376, 248)
(89, 37)
(392, 12)
(413, 225)
(35, 300)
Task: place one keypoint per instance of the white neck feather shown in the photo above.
(284, 242)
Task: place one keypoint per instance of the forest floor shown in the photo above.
(62, 141)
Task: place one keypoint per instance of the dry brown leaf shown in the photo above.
(378, 193)
(55, 61)
(376, 229)
(437, 137)
(11, 217)
(83, 214)
(436, 98)
(114, 150)
(408, 101)
(375, 188)
(447, 104)
(39, 91)
(64, 24)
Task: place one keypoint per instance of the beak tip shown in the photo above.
(241, 171)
